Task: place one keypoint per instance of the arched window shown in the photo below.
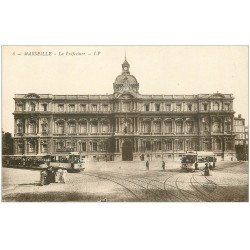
(105, 127)
(179, 145)
(94, 146)
(72, 127)
(179, 127)
(19, 128)
(190, 127)
(227, 126)
(103, 146)
(32, 127)
(19, 107)
(94, 127)
(126, 106)
(216, 106)
(31, 147)
(158, 145)
(146, 126)
(83, 146)
(32, 106)
(83, 127)
(44, 148)
(217, 144)
(44, 127)
(157, 127)
(229, 145)
(168, 145)
(60, 127)
(205, 126)
(148, 145)
(216, 126)
(60, 145)
(19, 148)
(168, 127)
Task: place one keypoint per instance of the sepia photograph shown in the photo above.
(125, 124)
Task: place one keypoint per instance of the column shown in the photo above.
(162, 127)
(25, 146)
(39, 146)
(173, 125)
(173, 147)
(138, 124)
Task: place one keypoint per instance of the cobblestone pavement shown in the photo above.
(129, 181)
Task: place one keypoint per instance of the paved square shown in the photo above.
(129, 181)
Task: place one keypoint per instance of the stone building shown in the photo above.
(239, 129)
(125, 125)
(241, 138)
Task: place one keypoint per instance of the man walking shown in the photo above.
(147, 165)
(163, 165)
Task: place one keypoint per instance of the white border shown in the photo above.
(123, 225)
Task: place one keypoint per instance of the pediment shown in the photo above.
(32, 96)
(217, 95)
(126, 95)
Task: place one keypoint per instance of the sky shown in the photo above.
(92, 70)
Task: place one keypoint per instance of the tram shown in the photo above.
(73, 161)
(192, 161)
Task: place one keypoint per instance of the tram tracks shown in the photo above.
(125, 187)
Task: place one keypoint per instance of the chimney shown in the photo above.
(239, 115)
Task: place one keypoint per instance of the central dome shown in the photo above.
(125, 78)
(125, 81)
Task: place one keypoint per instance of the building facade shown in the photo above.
(239, 129)
(241, 138)
(125, 125)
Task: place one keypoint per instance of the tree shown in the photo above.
(7, 143)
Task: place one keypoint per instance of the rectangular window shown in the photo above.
(44, 148)
(126, 106)
(94, 146)
(60, 107)
(83, 107)
(84, 148)
(178, 107)
(19, 107)
(189, 107)
(44, 107)
(178, 127)
(157, 107)
(71, 107)
(205, 105)
(168, 127)
(105, 108)
(169, 146)
(94, 107)
(146, 107)
(226, 106)
(168, 107)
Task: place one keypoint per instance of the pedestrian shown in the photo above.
(196, 165)
(58, 176)
(43, 178)
(206, 170)
(51, 175)
(163, 165)
(64, 175)
(213, 163)
(147, 165)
